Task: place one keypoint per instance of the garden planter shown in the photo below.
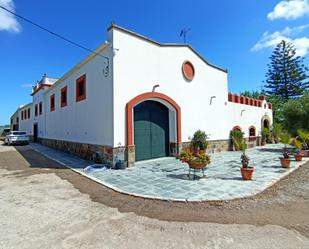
(197, 165)
(285, 162)
(298, 157)
(247, 173)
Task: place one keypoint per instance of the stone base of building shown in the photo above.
(224, 145)
(111, 155)
(97, 153)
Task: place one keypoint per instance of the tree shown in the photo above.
(296, 114)
(287, 75)
(277, 104)
(253, 94)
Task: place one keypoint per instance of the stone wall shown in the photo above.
(224, 145)
(97, 153)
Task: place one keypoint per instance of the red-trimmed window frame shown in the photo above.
(64, 90)
(252, 128)
(36, 110)
(40, 108)
(52, 102)
(79, 81)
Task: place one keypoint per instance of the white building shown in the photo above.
(136, 99)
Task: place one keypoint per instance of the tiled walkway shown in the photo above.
(167, 178)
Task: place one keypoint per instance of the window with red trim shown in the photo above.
(28, 112)
(81, 88)
(36, 110)
(40, 108)
(63, 99)
(52, 102)
(252, 131)
(25, 114)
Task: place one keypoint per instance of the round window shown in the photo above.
(188, 70)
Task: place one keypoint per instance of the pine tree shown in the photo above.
(287, 75)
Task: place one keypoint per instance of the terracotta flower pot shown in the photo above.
(285, 162)
(247, 173)
(196, 165)
(298, 157)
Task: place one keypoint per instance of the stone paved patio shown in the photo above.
(167, 178)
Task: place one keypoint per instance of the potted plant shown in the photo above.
(237, 137)
(265, 135)
(297, 144)
(303, 137)
(246, 170)
(199, 142)
(285, 160)
(199, 161)
(276, 130)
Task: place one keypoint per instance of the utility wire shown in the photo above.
(53, 33)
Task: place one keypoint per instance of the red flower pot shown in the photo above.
(285, 162)
(247, 173)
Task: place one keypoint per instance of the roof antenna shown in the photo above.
(183, 33)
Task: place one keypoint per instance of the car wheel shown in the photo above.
(9, 143)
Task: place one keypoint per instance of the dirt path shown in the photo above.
(30, 182)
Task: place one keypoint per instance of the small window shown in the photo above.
(28, 112)
(81, 88)
(52, 102)
(40, 108)
(252, 131)
(63, 101)
(22, 115)
(36, 110)
(264, 106)
(17, 120)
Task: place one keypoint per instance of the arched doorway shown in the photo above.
(151, 130)
(152, 102)
(265, 122)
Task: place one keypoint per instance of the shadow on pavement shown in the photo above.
(35, 159)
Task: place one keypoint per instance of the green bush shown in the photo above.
(276, 131)
(266, 135)
(296, 114)
(199, 140)
(237, 139)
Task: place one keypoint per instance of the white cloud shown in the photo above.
(290, 10)
(270, 40)
(7, 21)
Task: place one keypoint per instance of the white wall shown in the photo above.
(39, 119)
(246, 116)
(26, 124)
(88, 121)
(139, 65)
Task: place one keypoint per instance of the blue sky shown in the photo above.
(238, 35)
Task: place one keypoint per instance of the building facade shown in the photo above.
(136, 99)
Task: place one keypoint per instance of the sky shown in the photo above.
(237, 35)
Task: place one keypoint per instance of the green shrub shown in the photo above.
(199, 140)
(237, 139)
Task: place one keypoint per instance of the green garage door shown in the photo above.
(151, 130)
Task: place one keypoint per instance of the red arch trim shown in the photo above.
(145, 96)
(237, 127)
